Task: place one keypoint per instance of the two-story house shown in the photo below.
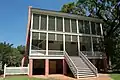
(58, 41)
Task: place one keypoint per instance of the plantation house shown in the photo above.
(59, 43)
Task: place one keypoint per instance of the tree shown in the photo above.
(21, 49)
(109, 11)
(9, 55)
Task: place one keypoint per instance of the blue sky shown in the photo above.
(14, 14)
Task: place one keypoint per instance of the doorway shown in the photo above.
(38, 67)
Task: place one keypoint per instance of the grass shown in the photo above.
(21, 78)
(115, 76)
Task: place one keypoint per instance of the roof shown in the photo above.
(66, 15)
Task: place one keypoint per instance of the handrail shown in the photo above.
(96, 53)
(67, 56)
(91, 66)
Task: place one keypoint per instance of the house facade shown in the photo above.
(59, 41)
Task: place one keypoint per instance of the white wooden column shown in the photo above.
(101, 29)
(91, 38)
(55, 28)
(70, 30)
(31, 35)
(47, 38)
(39, 25)
(63, 35)
(78, 37)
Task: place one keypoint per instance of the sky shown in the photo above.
(14, 15)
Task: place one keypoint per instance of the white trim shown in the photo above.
(47, 44)
(101, 29)
(49, 50)
(39, 22)
(77, 26)
(92, 45)
(31, 35)
(32, 22)
(4, 70)
(70, 26)
(63, 25)
(55, 28)
(16, 67)
(39, 25)
(78, 36)
(28, 69)
(70, 30)
(39, 36)
(47, 37)
(90, 27)
(78, 43)
(65, 33)
(47, 21)
(46, 57)
(91, 38)
(30, 43)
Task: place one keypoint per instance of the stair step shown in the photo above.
(84, 76)
(85, 73)
(82, 68)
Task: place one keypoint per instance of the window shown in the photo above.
(35, 35)
(35, 21)
(87, 27)
(74, 25)
(59, 24)
(67, 24)
(51, 23)
(43, 22)
(80, 25)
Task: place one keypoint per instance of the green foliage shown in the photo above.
(109, 11)
(10, 55)
(68, 8)
(21, 49)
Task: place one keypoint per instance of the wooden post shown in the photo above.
(28, 70)
(4, 70)
(64, 67)
(105, 64)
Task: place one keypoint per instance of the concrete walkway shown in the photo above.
(63, 77)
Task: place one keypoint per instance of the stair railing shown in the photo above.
(86, 60)
(70, 63)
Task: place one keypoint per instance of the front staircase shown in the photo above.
(81, 66)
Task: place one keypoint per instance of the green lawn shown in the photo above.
(115, 76)
(21, 78)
